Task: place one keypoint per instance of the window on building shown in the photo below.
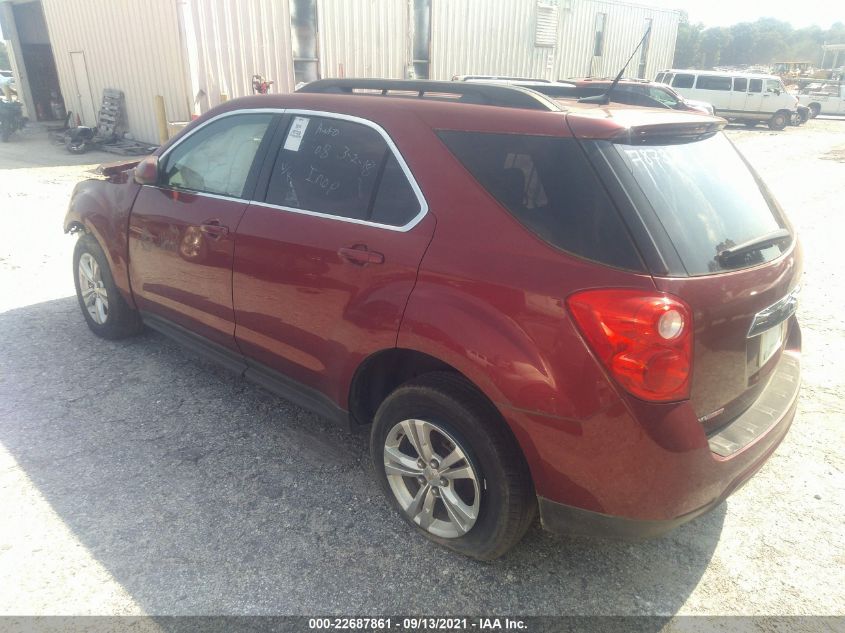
(683, 80)
(303, 30)
(545, 29)
(740, 84)
(217, 158)
(644, 49)
(341, 168)
(755, 85)
(422, 39)
(713, 82)
(598, 46)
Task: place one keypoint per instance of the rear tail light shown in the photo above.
(643, 338)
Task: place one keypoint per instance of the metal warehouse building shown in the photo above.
(66, 52)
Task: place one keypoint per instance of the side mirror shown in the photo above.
(146, 172)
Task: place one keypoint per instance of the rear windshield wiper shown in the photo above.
(756, 244)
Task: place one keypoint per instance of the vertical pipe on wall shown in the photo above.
(161, 119)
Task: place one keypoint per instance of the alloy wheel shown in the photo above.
(432, 478)
(93, 291)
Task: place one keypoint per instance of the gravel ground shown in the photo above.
(136, 479)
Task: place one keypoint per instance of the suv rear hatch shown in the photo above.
(713, 236)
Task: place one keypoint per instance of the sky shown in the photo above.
(799, 13)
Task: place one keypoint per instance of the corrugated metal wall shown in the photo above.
(496, 37)
(234, 40)
(624, 28)
(364, 38)
(485, 37)
(129, 45)
(191, 51)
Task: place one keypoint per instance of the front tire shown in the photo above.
(450, 467)
(778, 121)
(106, 312)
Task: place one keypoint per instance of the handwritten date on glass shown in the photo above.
(316, 177)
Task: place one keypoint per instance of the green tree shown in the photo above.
(750, 43)
(688, 44)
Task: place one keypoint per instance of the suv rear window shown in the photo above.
(548, 185)
(707, 200)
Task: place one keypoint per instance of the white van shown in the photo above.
(751, 98)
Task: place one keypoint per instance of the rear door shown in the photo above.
(699, 199)
(325, 264)
(182, 230)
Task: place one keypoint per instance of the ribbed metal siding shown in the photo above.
(236, 39)
(624, 28)
(496, 37)
(129, 45)
(485, 37)
(363, 38)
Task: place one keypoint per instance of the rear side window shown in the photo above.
(683, 80)
(547, 184)
(659, 78)
(713, 82)
(341, 168)
(740, 84)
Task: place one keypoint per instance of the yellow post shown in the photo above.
(161, 119)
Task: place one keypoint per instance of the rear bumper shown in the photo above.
(619, 477)
(561, 518)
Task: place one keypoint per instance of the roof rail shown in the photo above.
(504, 95)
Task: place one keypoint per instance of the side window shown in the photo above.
(659, 78)
(396, 203)
(683, 80)
(740, 84)
(774, 86)
(341, 168)
(713, 82)
(218, 157)
(755, 85)
(547, 184)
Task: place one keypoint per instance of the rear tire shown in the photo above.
(456, 419)
(778, 121)
(815, 110)
(104, 308)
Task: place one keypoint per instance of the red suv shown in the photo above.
(585, 312)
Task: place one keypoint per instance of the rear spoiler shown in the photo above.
(666, 133)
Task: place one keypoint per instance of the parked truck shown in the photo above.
(823, 97)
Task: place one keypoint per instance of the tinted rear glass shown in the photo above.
(707, 199)
(713, 82)
(548, 185)
(683, 81)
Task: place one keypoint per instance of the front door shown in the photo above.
(325, 265)
(182, 231)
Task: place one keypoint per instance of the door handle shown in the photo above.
(360, 255)
(214, 229)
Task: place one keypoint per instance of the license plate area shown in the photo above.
(764, 346)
